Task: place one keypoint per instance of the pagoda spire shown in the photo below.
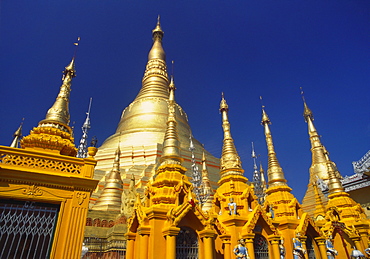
(17, 136)
(258, 186)
(171, 144)
(196, 177)
(334, 184)
(263, 180)
(279, 200)
(155, 80)
(275, 173)
(318, 166)
(207, 192)
(82, 148)
(319, 213)
(56, 122)
(111, 197)
(59, 112)
(230, 160)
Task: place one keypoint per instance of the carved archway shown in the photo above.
(310, 248)
(187, 244)
(261, 250)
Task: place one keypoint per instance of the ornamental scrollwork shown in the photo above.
(81, 197)
(32, 191)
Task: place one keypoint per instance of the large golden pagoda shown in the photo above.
(142, 127)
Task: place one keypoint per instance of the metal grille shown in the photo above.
(310, 250)
(261, 250)
(26, 229)
(187, 244)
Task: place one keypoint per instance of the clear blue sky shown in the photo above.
(242, 48)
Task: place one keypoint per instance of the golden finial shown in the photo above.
(53, 132)
(172, 86)
(334, 184)
(110, 198)
(59, 112)
(157, 32)
(17, 136)
(307, 113)
(171, 144)
(230, 160)
(265, 118)
(204, 161)
(274, 171)
(155, 81)
(223, 104)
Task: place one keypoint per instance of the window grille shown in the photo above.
(261, 250)
(26, 228)
(187, 244)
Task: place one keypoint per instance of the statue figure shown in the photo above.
(357, 254)
(282, 248)
(85, 249)
(298, 251)
(272, 212)
(232, 207)
(240, 250)
(330, 251)
(367, 250)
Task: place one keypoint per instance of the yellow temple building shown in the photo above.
(141, 194)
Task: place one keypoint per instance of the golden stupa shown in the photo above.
(142, 127)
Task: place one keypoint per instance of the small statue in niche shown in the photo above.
(298, 251)
(232, 207)
(282, 248)
(357, 254)
(330, 251)
(367, 250)
(240, 250)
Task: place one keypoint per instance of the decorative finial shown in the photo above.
(111, 196)
(230, 160)
(82, 148)
(94, 141)
(157, 32)
(258, 185)
(172, 89)
(265, 118)
(223, 104)
(156, 70)
(171, 144)
(56, 122)
(59, 112)
(17, 136)
(307, 113)
(275, 172)
(76, 44)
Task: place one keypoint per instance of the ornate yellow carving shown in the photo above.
(81, 196)
(50, 138)
(32, 191)
(23, 160)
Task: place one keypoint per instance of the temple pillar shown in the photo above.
(303, 241)
(274, 240)
(207, 236)
(226, 240)
(363, 231)
(130, 248)
(170, 235)
(322, 247)
(358, 244)
(144, 232)
(249, 244)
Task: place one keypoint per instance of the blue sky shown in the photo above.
(245, 49)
